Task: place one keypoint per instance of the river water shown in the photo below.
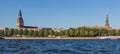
(59, 46)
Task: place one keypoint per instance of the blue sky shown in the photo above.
(60, 13)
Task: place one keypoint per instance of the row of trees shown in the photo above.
(87, 32)
(72, 32)
(2, 33)
(32, 33)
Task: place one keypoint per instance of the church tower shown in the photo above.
(107, 21)
(20, 22)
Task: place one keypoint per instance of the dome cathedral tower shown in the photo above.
(20, 21)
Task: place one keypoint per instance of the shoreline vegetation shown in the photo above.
(71, 33)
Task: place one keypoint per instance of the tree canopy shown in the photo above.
(71, 32)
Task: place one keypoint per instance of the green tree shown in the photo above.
(15, 31)
(10, 32)
(51, 32)
(118, 32)
(112, 32)
(20, 31)
(56, 33)
(36, 33)
(41, 33)
(103, 32)
(95, 31)
(2, 33)
(25, 32)
(71, 32)
(66, 33)
(91, 33)
(86, 33)
(61, 33)
(76, 32)
(31, 32)
(82, 33)
(45, 33)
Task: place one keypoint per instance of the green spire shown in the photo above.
(107, 21)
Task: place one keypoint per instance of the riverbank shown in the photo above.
(47, 38)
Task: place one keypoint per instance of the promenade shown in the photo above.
(50, 38)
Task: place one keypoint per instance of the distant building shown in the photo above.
(107, 26)
(99, 27)
(58, 29)
(20, 23)
(46, 28)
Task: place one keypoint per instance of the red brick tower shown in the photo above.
(20, 22)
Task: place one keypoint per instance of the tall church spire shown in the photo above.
(20, 22)
(107, 21)
(20, 13)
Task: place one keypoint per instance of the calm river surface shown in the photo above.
(59, 46)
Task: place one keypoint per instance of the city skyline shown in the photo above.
(66, 14)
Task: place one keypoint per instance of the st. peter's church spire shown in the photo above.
(107, 20)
